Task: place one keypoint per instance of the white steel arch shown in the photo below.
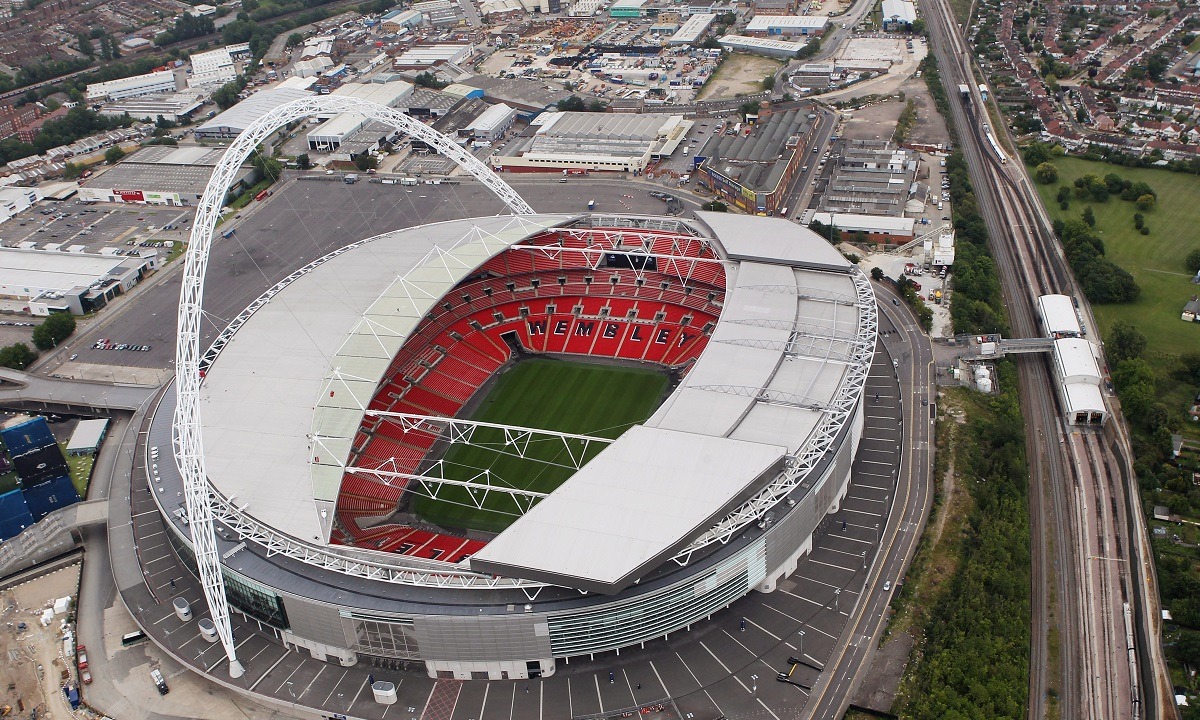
(188, 442)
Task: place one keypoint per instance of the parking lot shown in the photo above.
(79, 227)
(302, 221)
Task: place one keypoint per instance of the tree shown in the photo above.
(1146, 202)
(1046, 173)
(1037, 153)
(574, 103)
(1192, 262)
(293, 40)
(1125, 342)
(85, 45)
(429, 80)
(113, 155)
(365, 162)
(73, 170)
(1089, 216)
(303, 161)
(768, 83)
(268, 168)
(1139, 221)
(17, 356)
(877, 274)
(53, 330)
(715, 206)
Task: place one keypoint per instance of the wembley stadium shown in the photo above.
(492, 443)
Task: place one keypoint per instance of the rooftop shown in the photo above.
(252, 108)
(758, 160)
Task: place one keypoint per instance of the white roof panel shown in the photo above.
(1058, 315)
(773, 240)
(586, 535)
(270, 388)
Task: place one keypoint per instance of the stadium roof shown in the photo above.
(759, 391)
(325, 342)
(594, 532)
(281, 404)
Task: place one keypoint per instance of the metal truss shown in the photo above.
(838, 413)
(516, 439)
(681, 266)
(188, 440)
(649, 223)
(807, 293)
(766, 395)
(614, 239)
(801, 345)
(478, 488)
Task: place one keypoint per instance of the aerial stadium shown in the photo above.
(494, 443)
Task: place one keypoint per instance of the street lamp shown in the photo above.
(801, 642)
(754, 684)
(837, 593)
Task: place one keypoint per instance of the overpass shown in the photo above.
(30, 392)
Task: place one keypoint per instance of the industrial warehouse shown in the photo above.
(593, 141)
(753, 170)
(161, 175)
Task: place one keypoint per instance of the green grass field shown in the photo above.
(1156, 260)
(580, 398)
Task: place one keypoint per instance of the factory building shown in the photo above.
(161, 175)
(593, 141)
(624, 9)
(424, 57)
(14, 200)
(233, 121)
(754, 171)
(787, 25)
(693, 29)
(492, 124)
(335, 131)
(162, 81)
(871, 178)
(397, 20)
(175, 107)
(898, 14)
(761, 46)
(440, 13)
(216, 67)
(75, 282)
(871, 228)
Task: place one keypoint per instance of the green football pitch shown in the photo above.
(569, 397)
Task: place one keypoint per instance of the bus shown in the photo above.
(262, 195)
(132, 638)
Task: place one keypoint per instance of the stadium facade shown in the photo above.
(329, 401)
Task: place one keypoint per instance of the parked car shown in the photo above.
(81, 657)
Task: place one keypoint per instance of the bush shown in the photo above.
(113, 155)
(1193, 261)
(53, 330)
(1146, 202)
(1046, 173)
(17, 356)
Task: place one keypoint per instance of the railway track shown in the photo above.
(1080, 512)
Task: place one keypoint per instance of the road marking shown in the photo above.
(760, 627)
(861, 512)
(286, 652)
(310, 682)
(570, 699)
(486, 687)
(599, 699)
(335, 687)
(760, 702)
(698, 683)
(289, 676)
(811, 559)
(856, 556)
(357, 694)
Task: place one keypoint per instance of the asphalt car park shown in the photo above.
(304, 220)
(96, 226)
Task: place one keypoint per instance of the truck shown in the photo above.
(350, 179)
(159, 682)
(964, 91)
(409, 181)
(983, 92)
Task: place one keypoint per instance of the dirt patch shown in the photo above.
(739, 74)
(876, 120)
(34, 666)
(878, 690)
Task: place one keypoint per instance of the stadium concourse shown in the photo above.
(332, 405)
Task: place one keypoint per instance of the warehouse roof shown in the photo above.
(240, 116)
(758, 160)
(53, 270)
(761, 23)
(743, 42)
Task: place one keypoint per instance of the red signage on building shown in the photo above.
(130, 195)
